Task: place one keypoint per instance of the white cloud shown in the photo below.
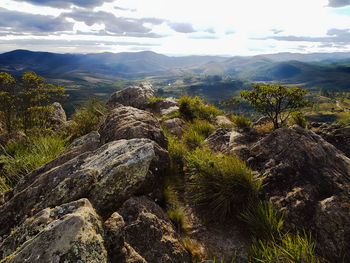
(202, 26)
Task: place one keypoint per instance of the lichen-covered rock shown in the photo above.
(174, 126)
(150, 233)
(57, 116)
(309, 179)
(134, 96)
(128, 123)
(164, 107)
(219, 140)
(335, 134)
(68, 233)
(223, 121)
(107, 176)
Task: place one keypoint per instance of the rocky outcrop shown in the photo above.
(219, 140)
(134, 96)
(335, 134)
(68, 233)
(127, 123)
(106, 176)
(164, 107)
(57, 116)
(149, 231)
(223, 121)
(309, 179)
(175, 126)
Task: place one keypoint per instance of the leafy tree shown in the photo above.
(231, 103)
(7, 99)
(36, 97)
(275, 102)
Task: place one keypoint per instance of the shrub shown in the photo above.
(192, 139)
(88, 118)
(298, 118)
(20, 158)
(221, 184)
(290, 248)
(176, 149)
(202, 127)
(263, 220)
(193, 108)
(241, 121)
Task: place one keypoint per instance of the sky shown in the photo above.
(181, 27)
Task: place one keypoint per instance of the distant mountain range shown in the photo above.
(315, 68)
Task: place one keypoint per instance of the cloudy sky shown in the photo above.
(181, 27)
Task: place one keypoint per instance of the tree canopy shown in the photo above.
(276, 102)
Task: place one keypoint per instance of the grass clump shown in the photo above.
(298, 118)
(263, 220)
(88, 118)
(194, 247)
(153, 101)
(193, 139)
(288, 249)
(175, 114)
(177, 150)
(195, 108)
(241, 121)
(343, 118)
(221, 184)
(202, 127)
(19, 158)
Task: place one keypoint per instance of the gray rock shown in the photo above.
(68, 233)
(174, 126)
(134, 96)
(57, 117)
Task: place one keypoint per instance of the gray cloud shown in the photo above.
(113, 24)
(182, 27)
(338, 3)
(336, 36)
(66, 4)
(18, 22)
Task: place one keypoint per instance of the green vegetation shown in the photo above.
(20, 157)
(177, 150)
(153, 100)
(241, 121)
(195, 108)
(221, 184)
(88, 118)
(298, 118)
(263, 221)
(7, 99)
(192, 138)
(288, 248)
(275, 102)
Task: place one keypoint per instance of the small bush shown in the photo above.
(220, 184)
(19, 158)
(202, 127)
(192, 139)
(193, 108)
(263, 220)
(241, 121)
(88, 118)
(179, 218)
(288, 249)
(176, 149)
(298, 118)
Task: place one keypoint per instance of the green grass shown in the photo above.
(202, 127)
(288, 249)
(263, 221)
(241, 121)
(177, 150)
(299, 119)
(153, 100)
(343, 118)
(192, 139)
(19, 158)
(220, 184)
(175, 114)
(195, 108)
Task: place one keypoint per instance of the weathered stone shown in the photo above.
(223, 121)
(219, 140)
(107, 176)
(149, 231)
(335, 134)
(68, 233)
(164, 107)
(128, 123)
(57, 116)
(308, 178)
(174, 126)
(134, 96)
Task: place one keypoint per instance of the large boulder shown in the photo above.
(134, 96)
(106, 176)
(335, 134)
(309, 179)
(150, 233)
(68, 233)
(57, 116)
